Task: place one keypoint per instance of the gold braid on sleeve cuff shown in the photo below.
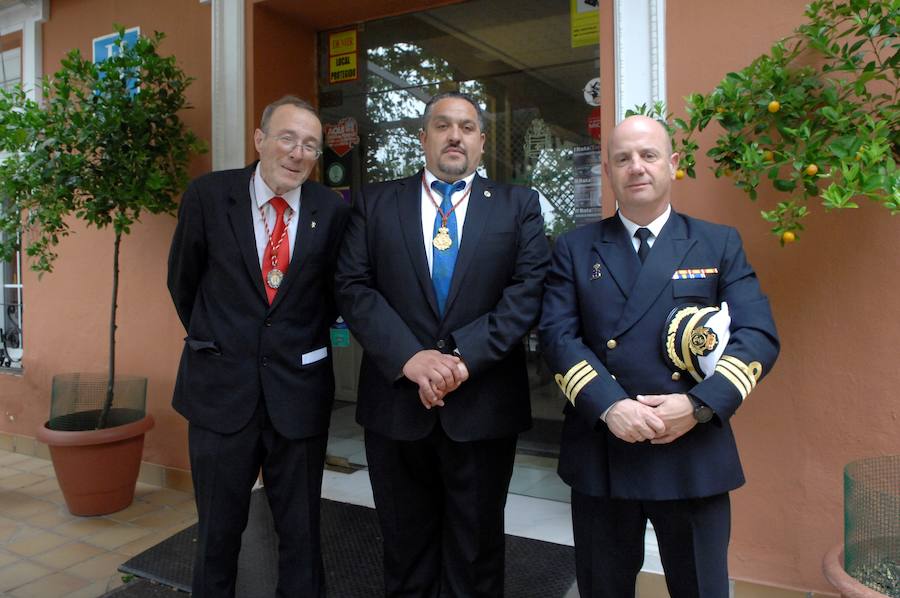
(575, 379)
(743, 376)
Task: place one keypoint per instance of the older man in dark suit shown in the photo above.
(657, 330)
(440, 278)
(251, 274)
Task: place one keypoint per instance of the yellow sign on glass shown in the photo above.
(342, 68)
(342, 42)
(342, 56)
(585, 23)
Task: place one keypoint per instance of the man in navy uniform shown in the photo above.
(439, 278)
(251, 275)
(626, 327)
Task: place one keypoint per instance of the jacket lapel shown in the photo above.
(618, 254)
(409, 208)
(240, 217)
(669, 250)
(477, 214)
(304, 240)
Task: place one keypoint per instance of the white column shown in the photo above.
(640, 53)
(228, 100)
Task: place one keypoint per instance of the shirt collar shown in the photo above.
(655, 226)
(430, 178)
(263, 194)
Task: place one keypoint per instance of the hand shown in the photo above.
(435, 374)
(676, 411)
(462, 376)
(634, 422)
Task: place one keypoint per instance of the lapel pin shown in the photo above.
(595, 272)
(312, 224)
(487, 193)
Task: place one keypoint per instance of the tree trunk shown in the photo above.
(107, 404)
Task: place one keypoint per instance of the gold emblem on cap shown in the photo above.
(703, 340)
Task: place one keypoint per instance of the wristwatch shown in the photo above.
(702, 412)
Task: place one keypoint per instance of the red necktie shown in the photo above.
(277, 255)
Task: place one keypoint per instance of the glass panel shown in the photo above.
(539, 92)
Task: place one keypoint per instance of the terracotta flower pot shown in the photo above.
(848, 586)
(97, 469)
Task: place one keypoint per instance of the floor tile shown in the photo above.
(52, 586)
(8, 557)
(35, 542)
(41, 488)
(162, 519)
(99, 567)
(17, 506)
(84, 527)
(114, 537)
(135, 510)
(166, 497)
(51, 518)
(67, 555)
(20, 480)
(7, 530)
(20, 573)
(30, 464)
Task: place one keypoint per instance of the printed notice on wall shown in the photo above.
(585, 22)
(342, 56)
(586, 183)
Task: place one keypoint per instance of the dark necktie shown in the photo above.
(443, 261)
(644, 248)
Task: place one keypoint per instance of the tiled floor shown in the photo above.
(46, 552)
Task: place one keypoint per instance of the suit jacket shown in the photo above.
(385, 294)
(603, 319)
(239, 349)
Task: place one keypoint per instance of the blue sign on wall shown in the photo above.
(106, 46)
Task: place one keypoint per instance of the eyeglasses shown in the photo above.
(289, 143)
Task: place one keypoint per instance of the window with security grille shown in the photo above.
(11, 347)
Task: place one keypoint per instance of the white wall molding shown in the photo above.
(26, 16)
(228, 84)
(639, 32)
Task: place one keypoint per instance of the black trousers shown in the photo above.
(693, 539)
(440, 505)
(224, 468)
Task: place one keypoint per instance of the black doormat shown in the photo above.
(351, 544)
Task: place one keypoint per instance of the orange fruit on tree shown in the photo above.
(679, 174)
(774, 106)
(788, 237)
(811, 170)
(720, 109)
(768, 155)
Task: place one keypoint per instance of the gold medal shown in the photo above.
(274, 278)
(442, 240)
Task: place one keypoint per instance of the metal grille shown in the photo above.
(872, 523)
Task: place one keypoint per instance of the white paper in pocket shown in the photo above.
(314, 356)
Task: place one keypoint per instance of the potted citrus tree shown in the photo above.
(105, 146)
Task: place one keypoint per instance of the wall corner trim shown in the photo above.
(639, 31)
(228, 91)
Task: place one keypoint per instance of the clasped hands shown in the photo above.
(657, 418)
(436, 374)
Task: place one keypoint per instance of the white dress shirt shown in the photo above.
(260, 194)
(429, 211)
(654, 227)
